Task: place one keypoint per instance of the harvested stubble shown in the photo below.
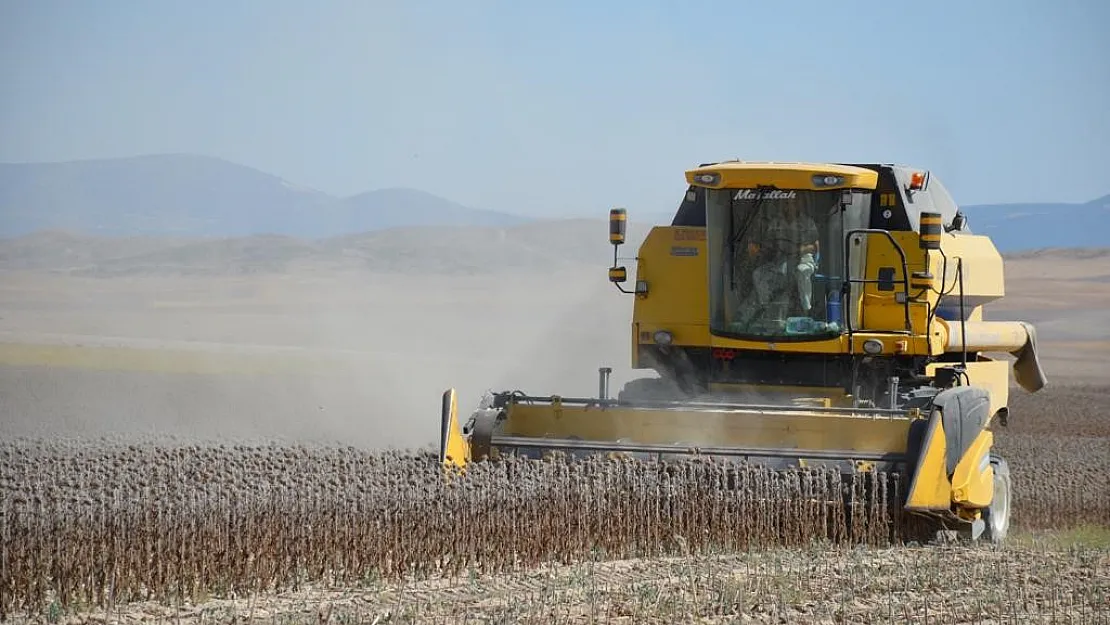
(805, 586)
(1058, 448)
(89, 525)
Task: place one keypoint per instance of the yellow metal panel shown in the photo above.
(456, 450)
(836, 345)
(672, 261)
(635, 347)
(930, 488)
(741, 428)
(783, 175)
(685, 334)
(973, 479)
(984, 272)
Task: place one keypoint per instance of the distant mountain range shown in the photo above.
(1017, 227)
(188, 196)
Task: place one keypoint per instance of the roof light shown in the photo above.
(708, 179)
(827, 180)
(917, 181)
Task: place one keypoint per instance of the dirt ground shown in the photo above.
(1029, 584)
(361, 359)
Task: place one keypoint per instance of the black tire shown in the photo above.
(997, 515)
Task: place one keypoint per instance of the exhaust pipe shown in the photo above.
(603, 383)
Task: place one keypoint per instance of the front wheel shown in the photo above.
(997, 515)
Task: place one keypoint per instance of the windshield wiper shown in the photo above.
(757, 204)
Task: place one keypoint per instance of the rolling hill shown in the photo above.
(1018, 227)
(187, 195)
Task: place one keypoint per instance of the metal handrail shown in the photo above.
(681, 449)
(722, 406)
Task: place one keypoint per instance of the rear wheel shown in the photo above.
(997, 515)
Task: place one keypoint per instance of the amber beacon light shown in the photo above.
(618, 220)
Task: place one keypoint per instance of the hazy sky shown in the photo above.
(568, 107)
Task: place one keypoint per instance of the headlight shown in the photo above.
(662, 337)
(708, 179)
(873, 346)
(827, 180)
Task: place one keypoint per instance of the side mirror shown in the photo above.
(618, 220)
(958, 222)
(618, 275)
(930, 230)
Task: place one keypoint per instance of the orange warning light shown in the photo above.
(917, 181)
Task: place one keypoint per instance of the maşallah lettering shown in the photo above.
(749, 194)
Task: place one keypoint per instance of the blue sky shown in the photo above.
(567, 108)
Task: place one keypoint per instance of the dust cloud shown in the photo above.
(362, 358)
(353, 358)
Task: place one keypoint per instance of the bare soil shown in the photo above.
(1030, 584)
(360, 358)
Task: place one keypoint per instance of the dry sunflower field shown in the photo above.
(132, 530)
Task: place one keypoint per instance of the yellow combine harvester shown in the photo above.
(801, 315)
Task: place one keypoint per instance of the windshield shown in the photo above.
(776, 259)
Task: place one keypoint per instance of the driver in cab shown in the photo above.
(790, 243)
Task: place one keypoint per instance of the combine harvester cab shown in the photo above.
(801, 315)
